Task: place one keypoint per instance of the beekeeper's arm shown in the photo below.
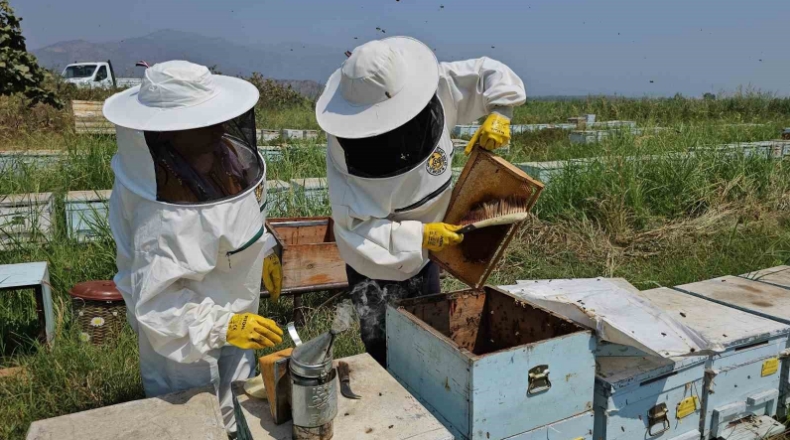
(478, 88)
(181, 324)
(385, 249)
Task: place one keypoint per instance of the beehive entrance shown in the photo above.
(487, 321)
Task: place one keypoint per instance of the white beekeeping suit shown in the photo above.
(187, 213)
(384, 87)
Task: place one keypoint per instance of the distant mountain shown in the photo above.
(305, 67)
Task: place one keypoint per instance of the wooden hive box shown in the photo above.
(491, 366)
(743, 375)
(89, 118)
(87, 214)
(640, 396)
(309, 254)
(25, 219)
(485, 177)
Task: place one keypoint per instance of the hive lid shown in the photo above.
(611, 307)
(621, 372)
(99, 290)
(728, 311)
(485, 177)
(314, 357)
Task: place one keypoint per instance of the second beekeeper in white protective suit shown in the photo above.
(388, 112)
(187, 213)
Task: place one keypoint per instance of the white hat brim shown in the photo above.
(341, 118)
(233, 98)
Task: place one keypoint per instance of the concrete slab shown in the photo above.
(188, 415)
(386, 411)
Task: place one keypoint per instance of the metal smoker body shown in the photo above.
(313, 388)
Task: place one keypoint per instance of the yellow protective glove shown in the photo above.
(494, 133)
(249, 331)
(437, 236)
(272, 276)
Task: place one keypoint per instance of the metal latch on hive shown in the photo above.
(658, 415)
(539, 380)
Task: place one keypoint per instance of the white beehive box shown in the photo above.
(490, 365)
(766, 297)
(638, 397)
(314, 190)
(288, 134)
(86, 214)
(265, 135)
(25, 219)
(277, 195)
(743, 379)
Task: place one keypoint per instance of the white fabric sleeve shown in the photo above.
(379, 248)
(479, 87)
(180, 323)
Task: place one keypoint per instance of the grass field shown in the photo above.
(656, 222)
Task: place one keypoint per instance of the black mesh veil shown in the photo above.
(206, 164)
(398, 151)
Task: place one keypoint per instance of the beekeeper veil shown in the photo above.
(202, 153)
(382, 108)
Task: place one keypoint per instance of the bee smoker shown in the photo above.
(313, 389)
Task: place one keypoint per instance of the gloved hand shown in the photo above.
(437, 236)
(273, 276)
(249, 331)
(494, 133)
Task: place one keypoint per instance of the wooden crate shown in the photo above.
(89, 118)
(485, 177)
(490, 365)
(307, 249)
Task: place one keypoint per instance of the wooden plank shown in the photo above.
(778, 276)
(192, 414)
(758, 298)
(386, 411)
(303, 235)
(94, 130)
(313, 264)
(94, 124)
(22, 275)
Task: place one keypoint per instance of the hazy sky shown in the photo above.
(558, 47)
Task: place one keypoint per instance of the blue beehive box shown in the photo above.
(639, 396)
(742, 382)
(492, 366)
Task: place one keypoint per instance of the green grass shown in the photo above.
(654, 221)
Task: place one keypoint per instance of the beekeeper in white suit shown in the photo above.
(388, 112)
(187, 213)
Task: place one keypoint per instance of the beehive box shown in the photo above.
(485, 177)
(25, 219)
(315, 190)
(743, 379)
(86, 214)
(766, 298)
(308, 252)
(491, 366)
(778, 276)
(640, 397)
